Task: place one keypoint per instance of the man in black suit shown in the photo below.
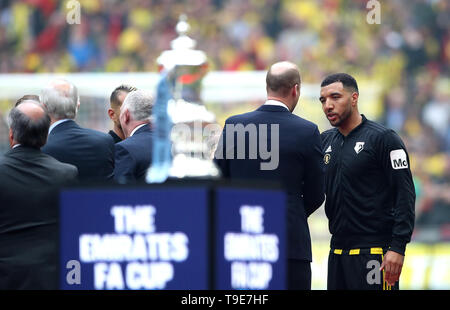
(29, 203)
(91, 151)
(295, 161)
(133, 155)
(115, 100)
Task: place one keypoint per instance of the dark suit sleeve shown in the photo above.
(124, 165)
(111, 160)
(314, 175)
(72, 174)
(219, 156)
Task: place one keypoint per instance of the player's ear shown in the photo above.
(295, 90)
(10, 136)
(355, 97)
(111, 113)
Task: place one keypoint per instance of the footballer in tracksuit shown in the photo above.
(370, 193)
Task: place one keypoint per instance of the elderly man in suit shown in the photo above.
(29, 202)
(91, 151)
(133, 155)
(296, 162)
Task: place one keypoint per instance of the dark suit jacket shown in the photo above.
(115, 137)
(91, 151)
(300, 168)
(29, 218)
(133, 156)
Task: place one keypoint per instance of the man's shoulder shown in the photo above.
(53, 162)
(5, 159)
(95, 134)
(240, 118)
(289, 118)
(95, 137)
(329, 132)
(376, 128)
(38, 159)
(63, 169)
(300, 121)
(381, 134)
(74, 130)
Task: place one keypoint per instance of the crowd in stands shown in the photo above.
(408, 54)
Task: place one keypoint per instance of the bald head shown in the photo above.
(283, 82)
(61, 99)
(31, 109)
(28, 125)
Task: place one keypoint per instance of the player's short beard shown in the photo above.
(344, 116)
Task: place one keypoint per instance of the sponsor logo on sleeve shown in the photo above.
(398, 159)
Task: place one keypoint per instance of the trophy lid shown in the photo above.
(182, 52)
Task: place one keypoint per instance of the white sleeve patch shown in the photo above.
(398, 159)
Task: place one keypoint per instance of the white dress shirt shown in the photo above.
(276, 102)
(137, 127)
(57, 123)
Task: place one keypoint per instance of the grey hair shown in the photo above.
(140, 105)
(59, 102)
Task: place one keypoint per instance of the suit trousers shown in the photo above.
(299, 274)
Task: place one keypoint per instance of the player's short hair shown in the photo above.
(347, 81)
(114, 98)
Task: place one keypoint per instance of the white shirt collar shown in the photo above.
(137, 127)
(56, 124)
(15, 145)
(277, 103)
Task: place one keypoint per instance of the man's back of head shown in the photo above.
(281, 77)
(115, 100)
(283, 83)
(61, 99)
(136, 109)
(29, 124)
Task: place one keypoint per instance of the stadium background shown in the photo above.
(401, 64)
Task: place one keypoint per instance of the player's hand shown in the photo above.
(392, 265)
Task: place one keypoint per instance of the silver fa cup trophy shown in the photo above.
(185, 132)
